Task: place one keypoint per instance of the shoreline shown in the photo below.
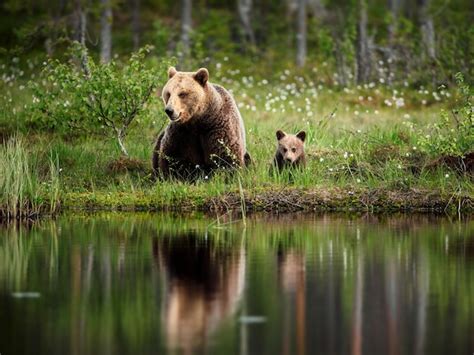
(269, 200)
(285, 200)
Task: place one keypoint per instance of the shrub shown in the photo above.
(102, 98)
(453, 135)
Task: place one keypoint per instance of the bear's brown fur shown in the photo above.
(206, 130)
(290, 151)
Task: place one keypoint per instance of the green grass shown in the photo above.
(23, 193)
(363, 146)
(380, 160)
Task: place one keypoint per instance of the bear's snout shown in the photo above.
(170, 112)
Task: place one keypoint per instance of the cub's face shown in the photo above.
(184, 94)
(291, 146)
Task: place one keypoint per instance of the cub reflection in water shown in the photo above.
(203, 283)
(292, 279)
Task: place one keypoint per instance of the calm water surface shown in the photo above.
(294, 284)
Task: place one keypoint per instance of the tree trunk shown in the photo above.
(120, 138)
(363, 51)
(245, 7)
(186, 26)
(394, 8)
(80, 27)
(427, 29)
(79, 22)
(290, 13)
(136, 28)
(336, 25)
(340, 62)
(301, 34)
(105, 31)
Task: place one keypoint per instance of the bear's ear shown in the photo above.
(280, 134)
(171, 72)
(202, 76)
(301, 135)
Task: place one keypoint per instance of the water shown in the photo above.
(294, 284)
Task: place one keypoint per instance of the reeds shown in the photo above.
(22, 193)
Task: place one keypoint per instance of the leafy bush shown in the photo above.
(454, 134)
(102, 98)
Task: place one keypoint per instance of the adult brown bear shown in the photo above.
(206, 131)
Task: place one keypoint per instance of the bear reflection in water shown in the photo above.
(203, 284)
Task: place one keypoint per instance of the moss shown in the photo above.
(287, 200)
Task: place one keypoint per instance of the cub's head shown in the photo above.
(185, 94)
(290, 146)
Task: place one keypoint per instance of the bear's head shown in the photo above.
(185, 94)
(290, 146)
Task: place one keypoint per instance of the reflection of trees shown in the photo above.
(422, 288)
(392, 274)
(203, 285)
(373, 284)
(412, 277)
(390, 297)
(358, 304)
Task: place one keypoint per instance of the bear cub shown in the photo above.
(290, 151)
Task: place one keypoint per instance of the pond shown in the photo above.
(291, 284)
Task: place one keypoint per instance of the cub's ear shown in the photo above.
(280, 134)
(202, 76)
(171, 72)
(301, 135)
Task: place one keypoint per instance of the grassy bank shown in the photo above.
(285, 199)
(369, 148)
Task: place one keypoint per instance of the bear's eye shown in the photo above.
(285, 150)
(167, 97)
(183, 94)
(293, 150)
